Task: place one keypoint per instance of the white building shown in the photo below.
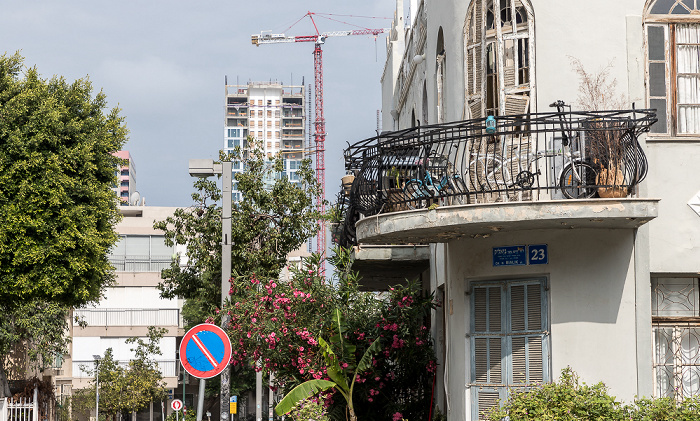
(271, 113)
(617, 298)
(126, 176)
(133, 304)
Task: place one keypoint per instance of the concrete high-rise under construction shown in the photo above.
(271, 113)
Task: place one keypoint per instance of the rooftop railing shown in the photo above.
(542, 156)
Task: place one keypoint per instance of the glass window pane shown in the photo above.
(680, 10)
(158, 247)
(119, 248)
(138, 245)
(662, 7)
(660, 106)
(656, 40)
(674, 297)
(657, 79)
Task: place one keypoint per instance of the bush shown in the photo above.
(309, 410)
(569, 399)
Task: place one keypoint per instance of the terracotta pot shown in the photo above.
(611, 177)
(347, 183)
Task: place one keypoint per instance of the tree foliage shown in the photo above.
(32, 335)
(127, 389)
(569, 399)
(57, 211)
(274, 218)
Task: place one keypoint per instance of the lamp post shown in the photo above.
(203, 168)
(97, 386)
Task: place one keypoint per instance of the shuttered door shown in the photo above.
(474, 51)
(508, 340)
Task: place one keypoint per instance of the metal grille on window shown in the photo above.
(676, 334)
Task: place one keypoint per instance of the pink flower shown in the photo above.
(397, 417)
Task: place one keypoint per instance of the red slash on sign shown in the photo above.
(205, 351)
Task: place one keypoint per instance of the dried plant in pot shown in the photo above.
(605, 146)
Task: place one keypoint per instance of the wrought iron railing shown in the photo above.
(543, 156)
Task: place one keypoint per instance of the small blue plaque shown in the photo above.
(509, 256)
(537, 254)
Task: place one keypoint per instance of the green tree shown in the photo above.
(56, 169)
(35, 330)
(127, 389)
(274, 218)
(57, 211)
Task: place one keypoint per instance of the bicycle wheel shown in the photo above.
(578, 180)
(459, 189)
(414, 194)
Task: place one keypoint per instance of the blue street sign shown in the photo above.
(537, 254)
(509, 256)
(205, 351)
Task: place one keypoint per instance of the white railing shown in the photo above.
(167, 368)
(128, 317)
(133, 263)
(23, 409)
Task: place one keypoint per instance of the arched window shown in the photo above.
(673, 65)
(498, 51)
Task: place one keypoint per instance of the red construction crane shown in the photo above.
(320, 123)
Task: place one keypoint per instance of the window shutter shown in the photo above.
(487, 361)
(474, 42)
(534, 307)
(535, 361)
(516, 104)
(487, 400)
(517, 310)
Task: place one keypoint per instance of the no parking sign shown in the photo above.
(205, 351)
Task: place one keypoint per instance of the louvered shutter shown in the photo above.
(526, 349)
(487, 348)
(474, 41)
(509, 341)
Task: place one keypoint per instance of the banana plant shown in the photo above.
(343, 380)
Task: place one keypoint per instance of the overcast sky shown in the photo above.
(164, 62)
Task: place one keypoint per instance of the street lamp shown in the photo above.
(203, 168)
(97, 386)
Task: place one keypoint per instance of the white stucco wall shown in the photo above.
(673, 177)
(591, 304)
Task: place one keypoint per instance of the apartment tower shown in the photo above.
(273, 115)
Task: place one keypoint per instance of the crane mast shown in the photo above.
(320, 123)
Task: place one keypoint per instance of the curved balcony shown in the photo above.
(511, 169)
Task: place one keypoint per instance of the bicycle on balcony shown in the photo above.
(419, 191)
(576, 180)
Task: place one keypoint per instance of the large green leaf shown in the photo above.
(301, 392)
(333, 366)
(366, 361)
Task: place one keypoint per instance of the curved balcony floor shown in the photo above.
(481, 220)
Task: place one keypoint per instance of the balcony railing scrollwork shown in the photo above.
(539, 156)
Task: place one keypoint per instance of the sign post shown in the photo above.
(205, 352)
(176, 405)
(233, 406)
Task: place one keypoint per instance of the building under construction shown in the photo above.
(273, 115)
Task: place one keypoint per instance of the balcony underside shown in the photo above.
(452, 222)
(383, 266)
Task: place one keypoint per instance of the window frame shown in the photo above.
(506, 334)
(668, 22)
(683, 320)
(475, 44)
